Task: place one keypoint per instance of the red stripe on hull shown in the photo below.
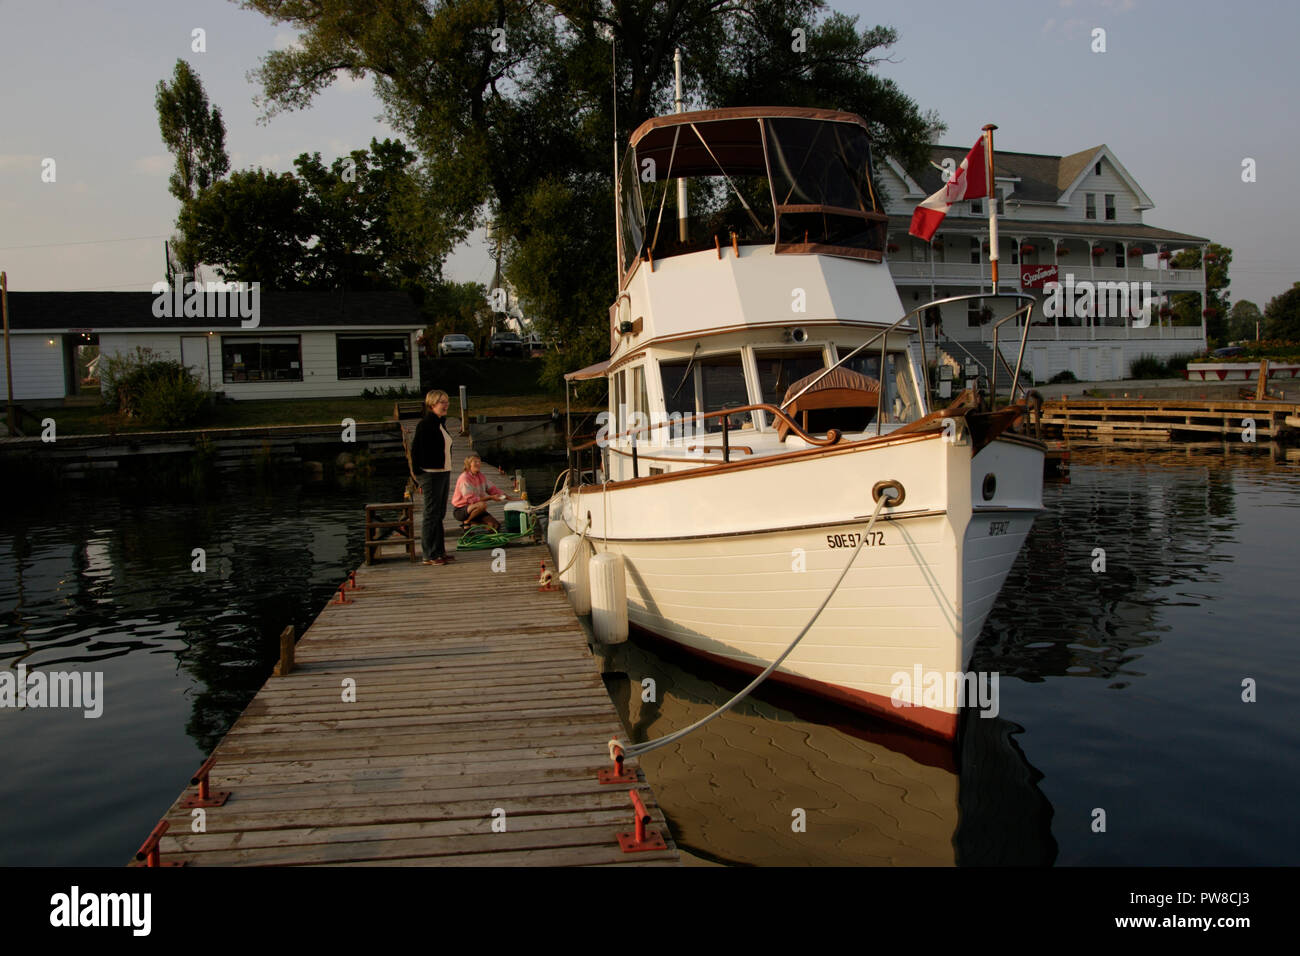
(924, 720)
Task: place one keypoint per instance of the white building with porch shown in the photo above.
(1059, 217)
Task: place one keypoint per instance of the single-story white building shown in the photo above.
(303, 344)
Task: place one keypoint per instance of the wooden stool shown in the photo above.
(376, 526)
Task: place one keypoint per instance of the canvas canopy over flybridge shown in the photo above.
(798, 179)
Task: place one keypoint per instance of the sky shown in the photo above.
(1183, 93)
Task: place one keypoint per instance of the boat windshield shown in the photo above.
(800, 184)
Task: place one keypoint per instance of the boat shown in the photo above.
(770, 424)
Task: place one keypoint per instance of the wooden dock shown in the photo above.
(450, 715)
(1155, 419)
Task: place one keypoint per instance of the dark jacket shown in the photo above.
(427, 445)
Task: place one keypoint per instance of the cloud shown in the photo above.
(157, 164)
(270, 161)
(19, 161)
(285, 40)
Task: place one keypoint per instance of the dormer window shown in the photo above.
(1097, 167)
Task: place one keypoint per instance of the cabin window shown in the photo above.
(709, 384)
(263, 358)
(370, 356)
(618, 399)
(777, 371)
(898, 402)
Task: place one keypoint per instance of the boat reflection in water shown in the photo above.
(872, 793)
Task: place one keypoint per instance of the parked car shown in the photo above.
(507, 343)
(455, 344)
(1232, 351)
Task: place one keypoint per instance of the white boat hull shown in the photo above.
(732, 563)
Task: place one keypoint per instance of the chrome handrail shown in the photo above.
(1028, 310)
(920, 333)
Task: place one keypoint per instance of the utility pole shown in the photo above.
(9, 369)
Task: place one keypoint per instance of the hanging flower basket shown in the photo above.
(1210, 313)
(1163, 254)
(1166, 311)
(1062, 251)
(936, 242)
(985, 246)
(892, 247)
(1210, 257)
(1027, 249)
(1098, 251)
(1134, 251)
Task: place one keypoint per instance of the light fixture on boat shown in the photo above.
(797, 335)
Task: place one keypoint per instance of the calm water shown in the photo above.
(1119, 691)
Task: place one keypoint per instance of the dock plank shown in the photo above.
(439, 695)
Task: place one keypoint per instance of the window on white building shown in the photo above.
(1110, 207)
(373, 356)
(1090, 206)
(261, 358)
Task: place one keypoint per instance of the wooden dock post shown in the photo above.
(285, 666)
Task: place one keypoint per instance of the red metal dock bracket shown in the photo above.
(618, 773)
(149, 854)
(352, 582)
(205, 798)
(342, 596)
(642, 839)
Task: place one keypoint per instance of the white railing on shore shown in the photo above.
(1075, 333)
(948, 273)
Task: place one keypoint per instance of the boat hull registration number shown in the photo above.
(850, 540)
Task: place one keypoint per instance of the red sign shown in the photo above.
(1035, 277)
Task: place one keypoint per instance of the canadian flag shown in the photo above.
(968, 182)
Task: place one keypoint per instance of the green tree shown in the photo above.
(509, 103)
(196, 135)
(370, 229)
(1242, 320)
(1188, 306)
(1282, 315)
(251, 226)
(357, 224)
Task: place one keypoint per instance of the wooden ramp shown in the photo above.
(1154, 419)
(474, 737)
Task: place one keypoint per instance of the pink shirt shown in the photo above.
(472, 488)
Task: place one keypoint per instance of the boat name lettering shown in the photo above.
(850, 540)
(998, 527)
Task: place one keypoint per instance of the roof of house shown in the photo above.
(123, 311)
(1040, 178)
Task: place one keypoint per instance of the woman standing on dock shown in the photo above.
(431, 456)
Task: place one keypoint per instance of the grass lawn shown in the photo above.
(92, 420)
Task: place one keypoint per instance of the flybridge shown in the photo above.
(795, 179)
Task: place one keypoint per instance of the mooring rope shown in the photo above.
(635, 750)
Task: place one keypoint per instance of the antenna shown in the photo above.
(681, 183)
(618, 191)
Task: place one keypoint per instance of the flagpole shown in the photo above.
(993, 204)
